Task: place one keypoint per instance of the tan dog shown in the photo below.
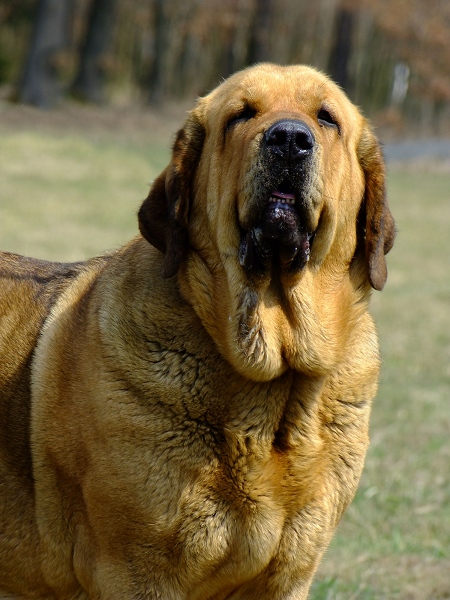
(188, 419)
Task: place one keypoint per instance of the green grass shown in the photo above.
(70, 195)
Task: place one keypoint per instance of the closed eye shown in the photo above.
(326, 119)
(247, 113)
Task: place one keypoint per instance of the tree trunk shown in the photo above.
(39, 85)
(161, 30)
(342, 51)
(89, 81)
(259, 50)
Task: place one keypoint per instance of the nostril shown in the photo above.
(304, 140)
(277, 137)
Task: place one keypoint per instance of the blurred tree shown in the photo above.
(163, 49)
(88, 84)
(260, 32)
(339, 67)
(416, 34)
(161, 30)
(15, 23)
(51, 35)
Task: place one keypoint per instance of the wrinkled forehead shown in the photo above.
(275, 88)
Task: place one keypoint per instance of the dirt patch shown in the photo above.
(135, 121)
(419, 578)
(141, 123)
(393, 577)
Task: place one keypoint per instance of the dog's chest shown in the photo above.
(215, 460)
(230, 517)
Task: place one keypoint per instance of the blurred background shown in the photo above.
(91, 95)
(391, 56)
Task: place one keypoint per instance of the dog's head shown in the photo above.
(275, 194)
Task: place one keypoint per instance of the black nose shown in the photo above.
(289, 140)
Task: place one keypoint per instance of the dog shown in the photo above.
(187, 417)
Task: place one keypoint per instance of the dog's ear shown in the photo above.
(163, 217)
(377, 218)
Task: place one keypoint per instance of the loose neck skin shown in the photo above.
(194, 326)
(265, 328)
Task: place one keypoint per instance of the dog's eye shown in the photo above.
(247, 113)
(326, 119)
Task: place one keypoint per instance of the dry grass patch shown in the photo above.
(71, 196)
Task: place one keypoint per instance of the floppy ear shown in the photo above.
(163, 216)
(379, 223)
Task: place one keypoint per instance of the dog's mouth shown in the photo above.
(280, 235)
(279, 197)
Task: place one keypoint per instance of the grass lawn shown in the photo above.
(67, 193)
(71, 197)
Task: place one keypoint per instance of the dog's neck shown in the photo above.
(265, 328)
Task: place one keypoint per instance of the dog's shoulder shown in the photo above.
(28, 289)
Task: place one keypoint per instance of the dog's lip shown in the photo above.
(283, 195)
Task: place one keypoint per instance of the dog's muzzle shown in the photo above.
(279, 234)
